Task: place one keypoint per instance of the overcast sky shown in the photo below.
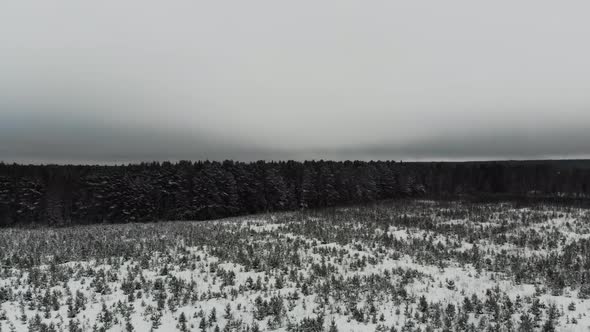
(119, 81)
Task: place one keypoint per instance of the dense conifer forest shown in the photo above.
(62, 195)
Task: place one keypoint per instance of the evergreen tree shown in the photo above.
(333, 327)
(182, 323)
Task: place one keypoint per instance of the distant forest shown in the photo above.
(62, 195)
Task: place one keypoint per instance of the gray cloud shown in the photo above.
(488, 146)
(116, 81)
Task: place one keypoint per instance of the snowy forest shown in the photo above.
(396, 266)
(295, 247)
(62, 195)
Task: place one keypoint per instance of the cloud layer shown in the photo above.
(116, 81)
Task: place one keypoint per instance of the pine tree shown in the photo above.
(526, 324)
(309, 192)
(71, 311)
(228, 314)
(279, 283)
(333, 327)
(549, 326)
(128, 326)
(535, 309)
(423, 304)
(275, 190)
(571, 306)
(74, 326)
(182, 322)
(450, 284)
(212, 316)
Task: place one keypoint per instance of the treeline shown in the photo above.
(59, 195)
(558, 178)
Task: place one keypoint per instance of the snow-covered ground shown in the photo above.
(420, 266)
